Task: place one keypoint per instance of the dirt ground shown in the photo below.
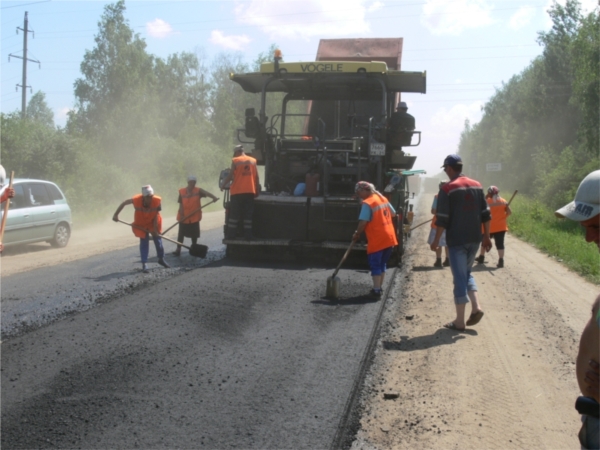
(102, 238)
(508, 382)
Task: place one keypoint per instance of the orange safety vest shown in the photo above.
(191, 203)
(244, 175)
(498, 211)
(144, 216)
(380, 230)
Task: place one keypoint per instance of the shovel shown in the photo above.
(6, 205)
(333, 282)
(197, 250)
(187, 217)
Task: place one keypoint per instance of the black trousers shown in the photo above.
(241, 209)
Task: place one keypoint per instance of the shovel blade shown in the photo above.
(198, 250)
(333, 287)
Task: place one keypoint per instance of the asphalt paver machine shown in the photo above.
(325, 130)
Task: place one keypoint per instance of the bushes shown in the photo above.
(564, 239)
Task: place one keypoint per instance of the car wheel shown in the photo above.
(61, 235)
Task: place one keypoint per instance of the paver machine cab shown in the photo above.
(325, 131)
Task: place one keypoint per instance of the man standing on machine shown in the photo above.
(400, 127)
(245, 187)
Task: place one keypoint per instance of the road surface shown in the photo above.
(218, 355)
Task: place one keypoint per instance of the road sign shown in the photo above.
(493, 167)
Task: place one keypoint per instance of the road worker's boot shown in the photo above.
(500, 263)
(376, 293)
(438, 262)
(178, 251)
(446, 263)
(163, 263)
(480, 259)
(145, 268)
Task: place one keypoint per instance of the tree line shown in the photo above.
(542, 125)
(138, 119)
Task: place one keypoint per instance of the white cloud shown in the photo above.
(159, 29)
(303, 19)
(452, 18)
(453, 119)
(375, 6)
(521, 18)
(229, 42)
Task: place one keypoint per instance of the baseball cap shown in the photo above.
(451, 160)
(192, 178)
(402, 105)
(587, 200)
(238, 148)
(147, 190)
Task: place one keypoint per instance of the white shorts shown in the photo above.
(432, 237)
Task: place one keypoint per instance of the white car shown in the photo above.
(38, 212)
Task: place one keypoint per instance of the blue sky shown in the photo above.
(468, 47)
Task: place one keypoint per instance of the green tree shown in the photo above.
(38, 110)
(114, 102)
(586, 84)
(227, 100)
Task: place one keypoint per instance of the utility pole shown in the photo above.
(24, 86)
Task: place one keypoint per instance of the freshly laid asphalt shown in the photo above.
(223, 355)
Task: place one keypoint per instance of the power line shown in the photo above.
(24, 4)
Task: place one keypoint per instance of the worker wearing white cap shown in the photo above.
(585, 209)
(147, 221)
(189, 214)
(6, 193)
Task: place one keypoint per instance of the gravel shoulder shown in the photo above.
(508, 382)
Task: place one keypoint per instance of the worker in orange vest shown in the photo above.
(146, 221)
(244, 188)
(500, 211)
(376, 220)
(6, 193)
(189, 214)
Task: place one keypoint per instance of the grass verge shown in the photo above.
(561, 238)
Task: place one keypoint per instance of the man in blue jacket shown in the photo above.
(461, 210)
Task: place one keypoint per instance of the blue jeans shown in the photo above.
(145, 247)
(461, 262)
(588, 435)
